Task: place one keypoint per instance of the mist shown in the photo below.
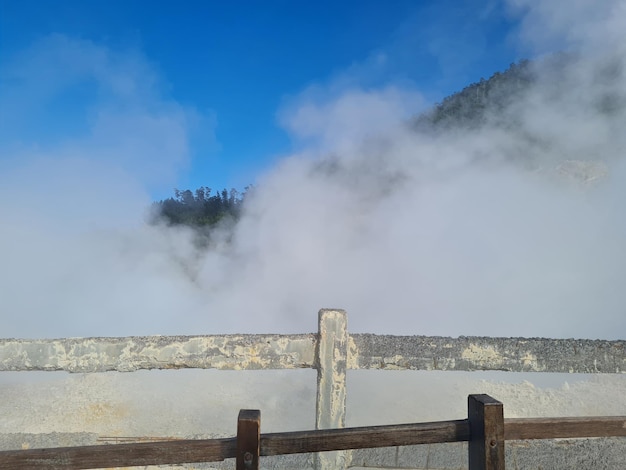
(488, 231)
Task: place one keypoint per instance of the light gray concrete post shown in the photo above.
(331, 362)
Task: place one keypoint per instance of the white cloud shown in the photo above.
(581, 24)
(89, 131)
(70, 97)
(339, 120)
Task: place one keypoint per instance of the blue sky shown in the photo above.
(226, 71)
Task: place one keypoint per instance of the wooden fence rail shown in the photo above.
(485, 429)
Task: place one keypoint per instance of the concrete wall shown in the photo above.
(332, 352)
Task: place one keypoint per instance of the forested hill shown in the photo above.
(469, 108)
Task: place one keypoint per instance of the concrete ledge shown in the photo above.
(365, 351)
(469, 353)
(228, 352)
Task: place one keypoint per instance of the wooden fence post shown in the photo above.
(248, 439)
(486, 445)
(331, 361)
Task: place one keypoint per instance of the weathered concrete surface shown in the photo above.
(468, 353)
(332, 358)
(234, 352)
(365, 351)
(331, 370)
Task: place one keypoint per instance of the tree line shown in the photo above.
(200, 208)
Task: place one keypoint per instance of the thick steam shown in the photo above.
(512, 228)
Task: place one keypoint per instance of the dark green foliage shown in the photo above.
(479, 103)
(200, 208)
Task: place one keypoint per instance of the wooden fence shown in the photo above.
(485, 429)
(332, 351)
